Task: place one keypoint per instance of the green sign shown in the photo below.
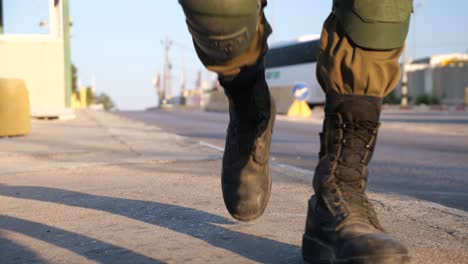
(273, 75)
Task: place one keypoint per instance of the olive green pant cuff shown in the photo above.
(345, 68)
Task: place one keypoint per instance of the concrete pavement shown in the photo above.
(104, 189)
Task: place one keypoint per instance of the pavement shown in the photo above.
(106, 189)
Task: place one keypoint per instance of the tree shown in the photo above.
(427, 99)
(105, 100)
(74, 78)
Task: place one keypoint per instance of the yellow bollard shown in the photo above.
(14, 108)
(299, 109)
(75, 101)
(83, 98)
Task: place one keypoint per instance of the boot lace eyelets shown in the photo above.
(348, 142)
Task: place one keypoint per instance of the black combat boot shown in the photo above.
(342, 226)
(246, 177)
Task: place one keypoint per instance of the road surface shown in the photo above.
(431, 167)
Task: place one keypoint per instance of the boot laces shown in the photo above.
(356, 136)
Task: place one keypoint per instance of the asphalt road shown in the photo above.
(426, 166)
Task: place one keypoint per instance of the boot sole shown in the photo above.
(316, 252)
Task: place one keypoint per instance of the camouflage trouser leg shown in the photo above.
(345, 68)
(226, 41)
(257, 48)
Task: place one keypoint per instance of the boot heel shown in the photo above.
(315, 252)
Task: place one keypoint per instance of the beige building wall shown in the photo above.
(39, 60)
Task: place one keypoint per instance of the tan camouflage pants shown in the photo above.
(343, 67)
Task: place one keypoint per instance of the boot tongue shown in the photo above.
(352, 141)
(360, 115)
(360, 110)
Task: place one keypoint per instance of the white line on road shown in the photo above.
(294, 168)
(279, 164)
(206, 144)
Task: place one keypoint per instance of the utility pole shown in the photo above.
(404, 79)
(184, 81)
(415, 36)
(273, 19)
(159, 89)
(66, 49)
(417, 6)
(166, 78)
(1, 17)
(93, 83)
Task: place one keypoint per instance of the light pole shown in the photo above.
(416, 7)
(404, 79)
(1, 16)
(166, 78)
(273, 19)
(66, 50)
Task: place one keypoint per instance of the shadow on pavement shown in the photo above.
(87, 247)
(19, 252)
(195, 223)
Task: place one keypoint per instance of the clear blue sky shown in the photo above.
(119, 42)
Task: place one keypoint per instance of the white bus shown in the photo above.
(291, 63)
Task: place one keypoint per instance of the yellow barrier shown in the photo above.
(299, 109)
(75, 101)
(82, 98)
(14, 108)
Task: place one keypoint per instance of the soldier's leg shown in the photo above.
(357, 66)
(230, 39)
(348, 69)
(227, 34)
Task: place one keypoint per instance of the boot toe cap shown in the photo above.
(246, 202)
(377, 248)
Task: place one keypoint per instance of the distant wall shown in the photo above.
(446, 83)
(39, 60)
(215, 101)
(450, 83)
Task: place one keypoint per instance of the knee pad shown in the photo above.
(221, 29)
(375, 24)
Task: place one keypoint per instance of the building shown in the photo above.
(42, 61)
(444, 77)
